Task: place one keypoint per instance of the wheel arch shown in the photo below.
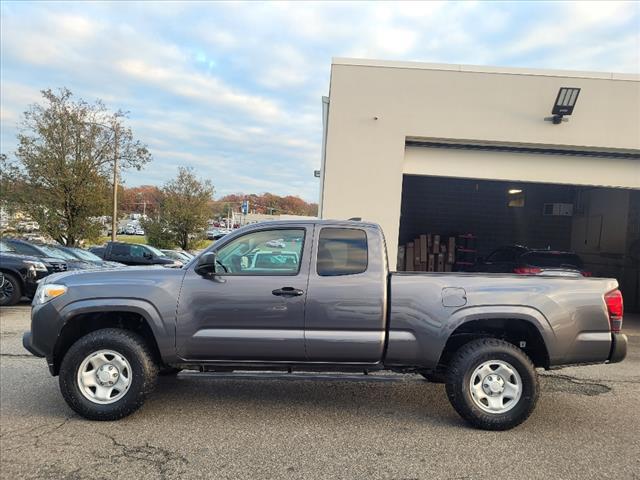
(14, 273)
(81, 318)
(512, 325)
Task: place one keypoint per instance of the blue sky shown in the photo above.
(234, 89)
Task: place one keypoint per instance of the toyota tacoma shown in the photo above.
(326, 301)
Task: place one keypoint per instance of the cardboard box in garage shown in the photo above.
(436, 244)
(411, 257)
(451, 251)
(424, 248)
(401, 260)
(431, 262)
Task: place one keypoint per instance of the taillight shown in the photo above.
(586, 273)
(615, 306)
(527, 270)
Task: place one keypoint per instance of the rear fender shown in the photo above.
(497, 312)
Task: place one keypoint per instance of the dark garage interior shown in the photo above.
(601, 225)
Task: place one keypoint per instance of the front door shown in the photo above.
(253, 307)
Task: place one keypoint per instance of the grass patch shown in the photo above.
(124, 238)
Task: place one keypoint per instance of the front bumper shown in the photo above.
(27, 343)
(618, 347)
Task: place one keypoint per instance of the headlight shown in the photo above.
(37, 266)
(49, 291)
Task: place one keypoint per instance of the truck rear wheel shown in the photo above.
(107, 374)
(492, 384)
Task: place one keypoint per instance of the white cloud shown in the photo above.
(235, 87)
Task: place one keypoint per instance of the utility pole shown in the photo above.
(114, 213)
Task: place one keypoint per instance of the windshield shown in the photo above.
(5, 247)
(86, 255)
(56, 252)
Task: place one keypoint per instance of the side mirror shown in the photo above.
(206, 265)
(148, 255)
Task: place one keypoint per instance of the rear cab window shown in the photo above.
(342, 251)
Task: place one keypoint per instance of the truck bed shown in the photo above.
(426, 308)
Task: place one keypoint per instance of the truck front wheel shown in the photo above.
(107, 374)
(492, 384)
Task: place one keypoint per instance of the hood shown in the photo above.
(18, 256)
(115, 276)
(79, 265)
(52, 260)
(110, 264)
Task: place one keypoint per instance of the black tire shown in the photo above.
(131, 346)
(469, 357)
(10, 290)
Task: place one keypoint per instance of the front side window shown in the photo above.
(138, 251)
(267, 252)
(155, 251)
(120, 250)
(342, 251)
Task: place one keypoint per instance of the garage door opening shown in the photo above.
(461, 222)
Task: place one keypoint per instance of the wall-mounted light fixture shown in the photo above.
(515, 197)
(565, 101)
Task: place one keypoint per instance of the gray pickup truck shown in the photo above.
(318, 296)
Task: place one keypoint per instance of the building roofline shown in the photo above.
(362, 62)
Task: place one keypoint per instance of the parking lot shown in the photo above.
(307, 426)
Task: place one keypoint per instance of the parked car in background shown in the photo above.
(265, 261)
(217, 233)
(528, 261)
(48, 252)
(278, 243)
(136, 254)
(92, 258)
(179, 255)
(98, 251)
(18, 275)
(54, 262)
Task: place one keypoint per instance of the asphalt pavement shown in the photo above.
(316, 426)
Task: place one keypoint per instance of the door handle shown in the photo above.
(287, 292)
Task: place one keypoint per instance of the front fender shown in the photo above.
(164, 332)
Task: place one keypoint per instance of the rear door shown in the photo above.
(346, 304)
(253, 308)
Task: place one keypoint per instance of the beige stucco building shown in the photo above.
(402, 138)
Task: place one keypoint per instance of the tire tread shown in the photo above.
(456, 379)
(105, 338)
